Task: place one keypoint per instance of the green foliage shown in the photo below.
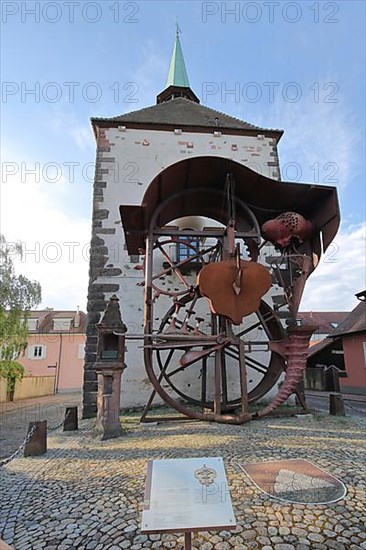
(12, 371)
(17, 296)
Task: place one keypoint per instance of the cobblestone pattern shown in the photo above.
(15, 417)
(87, 494)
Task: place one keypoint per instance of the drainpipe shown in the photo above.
(59, 365)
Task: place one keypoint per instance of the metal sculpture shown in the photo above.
(234, 287)
(287, 228)
(223, 342)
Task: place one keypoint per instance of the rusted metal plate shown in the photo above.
(229, 297)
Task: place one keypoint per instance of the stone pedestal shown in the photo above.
(37, 445)
(71, 419)
(109, 367)
(108, 402)
(336, 404)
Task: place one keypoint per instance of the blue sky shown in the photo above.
(298, 66)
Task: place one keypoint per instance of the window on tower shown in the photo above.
(187, 248)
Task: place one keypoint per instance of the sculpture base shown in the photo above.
(108, 424)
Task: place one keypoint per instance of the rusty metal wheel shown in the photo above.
(169, 278)
(188, 330)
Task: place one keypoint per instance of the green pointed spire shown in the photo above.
(177, 75)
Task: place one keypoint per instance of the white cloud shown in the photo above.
(147, 76)
(30, 214)
(82, 135)
(320, 136)
(340, 274)
(65, 122)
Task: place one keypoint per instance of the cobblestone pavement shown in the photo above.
(355, 405)
(16, 415)
(87, 494)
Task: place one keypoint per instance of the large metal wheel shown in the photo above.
(181, 360)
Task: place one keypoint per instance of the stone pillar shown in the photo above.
(336, 404)
(109, 367)
(109, 390)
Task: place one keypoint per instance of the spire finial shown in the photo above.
(177, 83)
(177, 75)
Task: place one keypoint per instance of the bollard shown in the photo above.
(37, 445)
(71, 419)
(336, 405)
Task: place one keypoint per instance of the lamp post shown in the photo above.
(109, 367)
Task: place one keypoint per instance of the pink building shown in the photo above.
(56, 344)
(345, 348)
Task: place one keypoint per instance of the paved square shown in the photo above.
(88, 494)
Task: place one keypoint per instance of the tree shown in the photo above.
(18, 295)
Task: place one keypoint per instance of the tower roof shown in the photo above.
(179, 107)
(177, 75)
(182, 113)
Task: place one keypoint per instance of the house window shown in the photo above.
(81, 351)
(62, 324)
(37, 352)
(32, 324)
(186, 251)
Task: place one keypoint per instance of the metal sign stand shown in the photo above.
(187, 541)
(187, 496)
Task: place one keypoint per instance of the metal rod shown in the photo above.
(217, 399)
(243, 379)
(148, 288)
(187, 541)
(190, 311)
(204, 380)
(224, 379)
(223, 368)
(173, 267)
(214, 234)
(153, 393)
(176, 336)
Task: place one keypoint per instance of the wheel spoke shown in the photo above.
(263, 319)
(256, 365)
(174, 268)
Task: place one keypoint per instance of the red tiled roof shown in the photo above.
(327, 321)
(47, 317)
(354, 322)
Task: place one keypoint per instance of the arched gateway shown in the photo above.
(211, 261)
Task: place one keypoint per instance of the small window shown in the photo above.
(334, 325)
(186, 251)
(37, 352)
(62, 324)
(32, 324)
(81, 351)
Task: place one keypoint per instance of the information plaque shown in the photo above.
(187, 494)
